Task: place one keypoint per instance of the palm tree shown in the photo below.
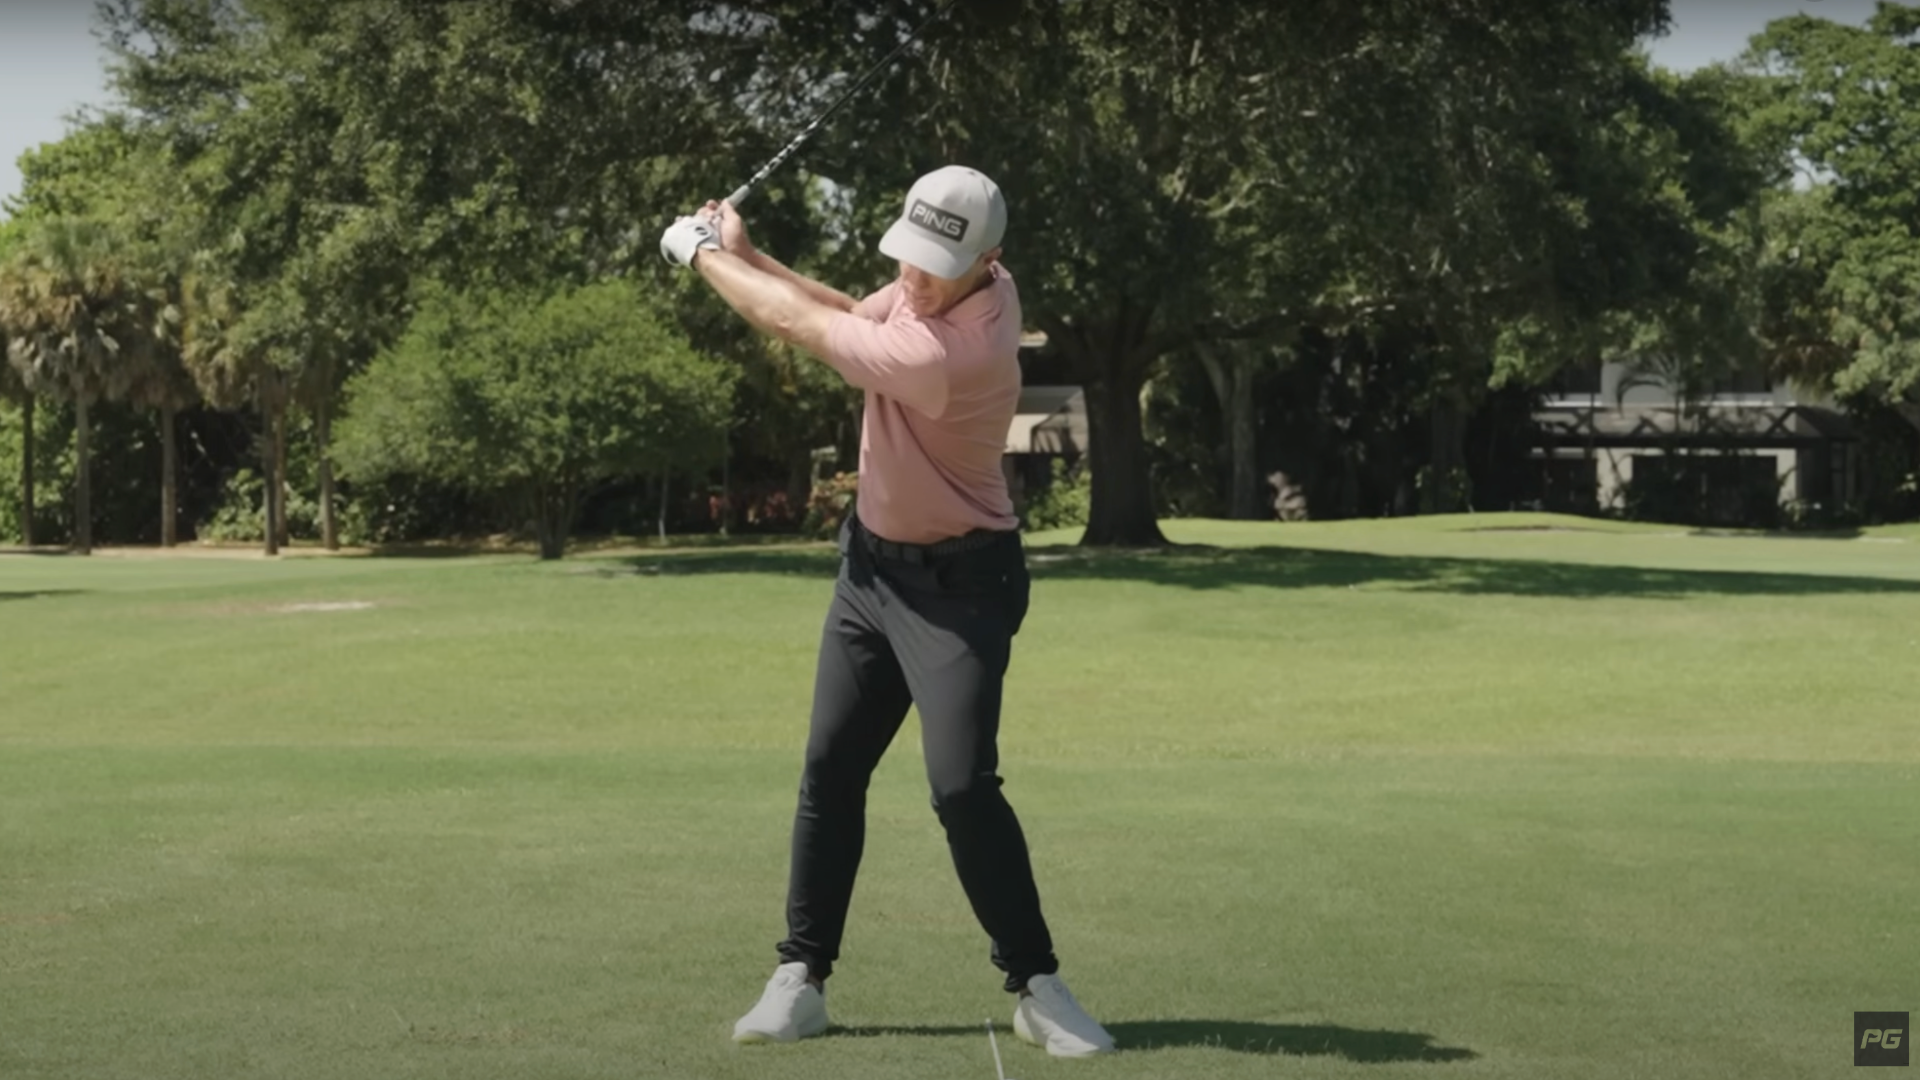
(14, 389)
(233, 366)
(160, 381)
(70, 306)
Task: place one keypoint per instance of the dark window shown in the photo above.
(1579, 378)
(1566, 485)
(1750, 379)
(1705, 489)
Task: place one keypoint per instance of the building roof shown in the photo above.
(1049, 420)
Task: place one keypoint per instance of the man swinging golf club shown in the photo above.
(932, 587)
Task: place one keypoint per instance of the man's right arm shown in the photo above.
(825, 294)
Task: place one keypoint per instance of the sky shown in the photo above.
(51, 64)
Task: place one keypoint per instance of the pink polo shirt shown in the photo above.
(941, 394)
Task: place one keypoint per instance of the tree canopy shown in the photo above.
(1392, 211)
(1841, 106)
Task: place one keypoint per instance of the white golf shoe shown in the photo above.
(790, 1008)
(1047, 1015)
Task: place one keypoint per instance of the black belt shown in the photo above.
(920, 554)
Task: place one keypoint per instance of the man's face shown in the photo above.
(930, 297)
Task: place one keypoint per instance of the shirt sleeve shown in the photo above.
(877, 303)
(902, 358)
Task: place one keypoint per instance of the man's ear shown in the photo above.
(990, 256)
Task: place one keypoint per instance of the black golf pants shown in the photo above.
(936, 632)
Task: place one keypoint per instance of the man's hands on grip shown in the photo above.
(687, 237)
(716, 226)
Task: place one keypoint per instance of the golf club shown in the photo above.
(740, 193)
(995, 1043)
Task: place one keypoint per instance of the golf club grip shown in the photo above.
(740, 193)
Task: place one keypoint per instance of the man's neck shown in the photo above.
(985, 279)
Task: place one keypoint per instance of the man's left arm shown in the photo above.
(770, 302)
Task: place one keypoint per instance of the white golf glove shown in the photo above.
(685, 237)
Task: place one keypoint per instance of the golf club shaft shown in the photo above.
(995, 1043)
(740, 193)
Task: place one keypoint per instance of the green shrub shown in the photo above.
(240, 516)
(53, 468)
(1065, 503)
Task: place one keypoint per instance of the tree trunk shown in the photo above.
(1122, 512)
(799, 486)
(83, 482)
(282, 536)
(1111, 360)
(1231, 372)
(1446, 459)
(169, 479)
(1244, 438)
(547, 530)
(726, 491)
(268, 510)
(323, 437)
(26, 472)
(552, 517)
(666, 487)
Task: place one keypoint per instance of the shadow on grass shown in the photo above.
(820, 561)
(35, 594)
(1297, 1040)
(1203, 568)
(1239, 1036)
(1838, 533)
(1280, 567)
(636, 547)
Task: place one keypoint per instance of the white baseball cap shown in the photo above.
(952, 216)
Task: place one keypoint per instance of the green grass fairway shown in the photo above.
(1502, 796)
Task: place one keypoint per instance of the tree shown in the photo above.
(233, 97)
(13, 388)
(1519, 190)
(84, 173)
(79, 176)
(234, 366)
(71, 308)
(103, 169)
(161, 381)
(333, 152)
(1185, 175)
(1835, 105)
(535, 397)
(1671, 284)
